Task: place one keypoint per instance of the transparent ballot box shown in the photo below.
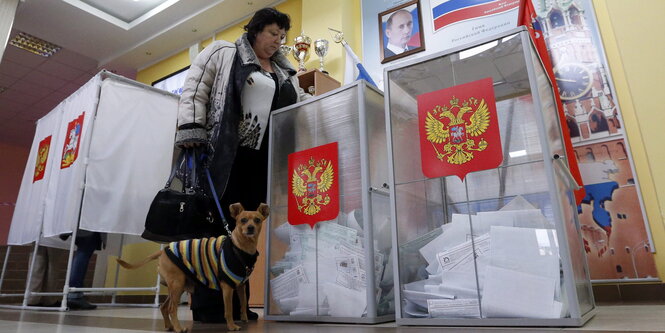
(329, 236)
(485, 220)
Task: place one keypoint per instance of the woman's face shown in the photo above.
(268, 41)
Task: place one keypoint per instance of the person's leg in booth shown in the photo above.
(86, 244)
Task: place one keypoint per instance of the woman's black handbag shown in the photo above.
(184, 213)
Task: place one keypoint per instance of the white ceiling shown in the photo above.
(135, 38)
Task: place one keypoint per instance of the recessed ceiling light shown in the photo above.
(34, 45)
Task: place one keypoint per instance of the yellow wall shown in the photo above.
(340, 15)
(311, 16)
(164, 68)
(145, 276)
(635, 47)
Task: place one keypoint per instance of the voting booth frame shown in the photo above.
(333, 268)
(497, 245)
(95, 187)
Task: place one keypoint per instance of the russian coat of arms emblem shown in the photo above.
(313, 185)
(459, 130)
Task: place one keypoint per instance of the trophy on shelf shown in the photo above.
(285, 50)
(301, 50)
(321, 49)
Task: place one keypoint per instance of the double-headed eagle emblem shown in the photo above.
(42, 156)
(448, 126)
(310, 182)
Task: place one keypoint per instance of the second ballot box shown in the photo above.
(486, 227)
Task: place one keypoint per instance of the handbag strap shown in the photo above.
(176, 166)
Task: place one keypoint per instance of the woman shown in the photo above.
(225, 106)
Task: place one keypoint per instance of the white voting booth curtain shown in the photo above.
(110, 147)
(130, 157)
(29, 212)
(63, 198)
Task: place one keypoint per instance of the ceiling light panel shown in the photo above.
(125, 14)
(34, 45)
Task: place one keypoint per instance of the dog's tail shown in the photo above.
(145, 261)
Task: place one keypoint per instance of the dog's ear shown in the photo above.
(264, 210)
(236, 209)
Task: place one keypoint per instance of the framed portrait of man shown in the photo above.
(400, 30)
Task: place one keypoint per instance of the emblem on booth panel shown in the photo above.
(72, 141)
(459, 131)
(313, 185)
(42, 158)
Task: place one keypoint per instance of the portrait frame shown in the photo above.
(417, 41)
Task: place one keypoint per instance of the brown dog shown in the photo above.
(231, 261)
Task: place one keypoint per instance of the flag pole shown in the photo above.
(338, 37)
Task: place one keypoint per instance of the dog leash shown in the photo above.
(219, 207)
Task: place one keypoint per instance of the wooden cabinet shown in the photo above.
(321, 82)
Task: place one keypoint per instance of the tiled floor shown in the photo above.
(618, 318)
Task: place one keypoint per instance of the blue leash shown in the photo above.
(214, 195)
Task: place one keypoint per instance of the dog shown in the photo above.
(231, 260)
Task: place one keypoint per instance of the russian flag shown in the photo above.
(447, 12)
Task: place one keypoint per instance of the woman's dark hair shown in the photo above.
(263, 17)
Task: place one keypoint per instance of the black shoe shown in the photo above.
(80, 304)
(251, 315)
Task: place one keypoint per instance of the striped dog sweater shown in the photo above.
(211, 260)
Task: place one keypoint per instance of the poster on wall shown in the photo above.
(462, 21)
(615, 229)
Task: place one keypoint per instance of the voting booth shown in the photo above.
(329, 243)
(96, 162)
(485, 229)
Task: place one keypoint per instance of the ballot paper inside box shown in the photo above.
(330, 270)
(479, 244)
